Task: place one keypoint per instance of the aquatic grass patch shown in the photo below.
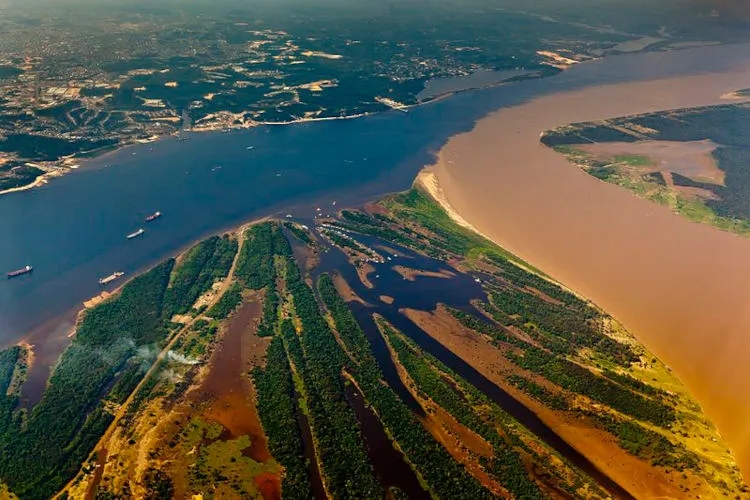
(633, 160)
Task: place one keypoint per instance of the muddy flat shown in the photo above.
(682, 288)
(690, 158)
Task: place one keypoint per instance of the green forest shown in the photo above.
(104, 363)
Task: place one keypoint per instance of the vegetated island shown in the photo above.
(692, 160)
(240, 370)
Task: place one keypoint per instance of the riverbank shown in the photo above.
(73, 161)
(681, 288)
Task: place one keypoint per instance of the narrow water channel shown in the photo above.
(313, 471)
(390, 465)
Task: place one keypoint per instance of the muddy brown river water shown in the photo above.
(682, 288)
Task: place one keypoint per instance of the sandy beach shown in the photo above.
(682, 288)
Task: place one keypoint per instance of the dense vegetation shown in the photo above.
(549, 398)
(8, 360)
(432, 377)
(278, 412)
(561, 328)
(202, 265)
(299, 233)
(255, 267)
(570, 343)
(340, 444)
(617, 390)
(445, 477)
(14, 175)
(34, 147)
(48, 447)
(114, 344)
(645, 443)
(227, 303)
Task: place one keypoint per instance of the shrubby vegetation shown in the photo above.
(542, 394)
(580, 380)
(646, 444)
(561, 328)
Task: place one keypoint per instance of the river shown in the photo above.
(72, 231)
(683, 289)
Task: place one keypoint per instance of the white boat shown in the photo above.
(112, 277)
(136, 234)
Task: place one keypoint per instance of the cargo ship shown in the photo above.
(153, 216)
(19, 272)
(112, 277)
(136, 234)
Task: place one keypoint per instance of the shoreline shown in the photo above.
(655, 273)
(82, 160)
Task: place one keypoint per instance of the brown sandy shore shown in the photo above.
(682, 288)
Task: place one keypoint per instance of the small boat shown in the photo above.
(250, 147)
(112, 277)
(19, 272)
(136, 234)
(153, 216)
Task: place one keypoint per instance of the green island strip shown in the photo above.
(470, 407)
(278, 411)
(444, 477)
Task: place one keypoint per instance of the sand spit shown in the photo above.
(681, 288)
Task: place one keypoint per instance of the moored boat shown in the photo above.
(112, 277)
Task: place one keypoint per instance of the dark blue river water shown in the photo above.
(73, 230)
